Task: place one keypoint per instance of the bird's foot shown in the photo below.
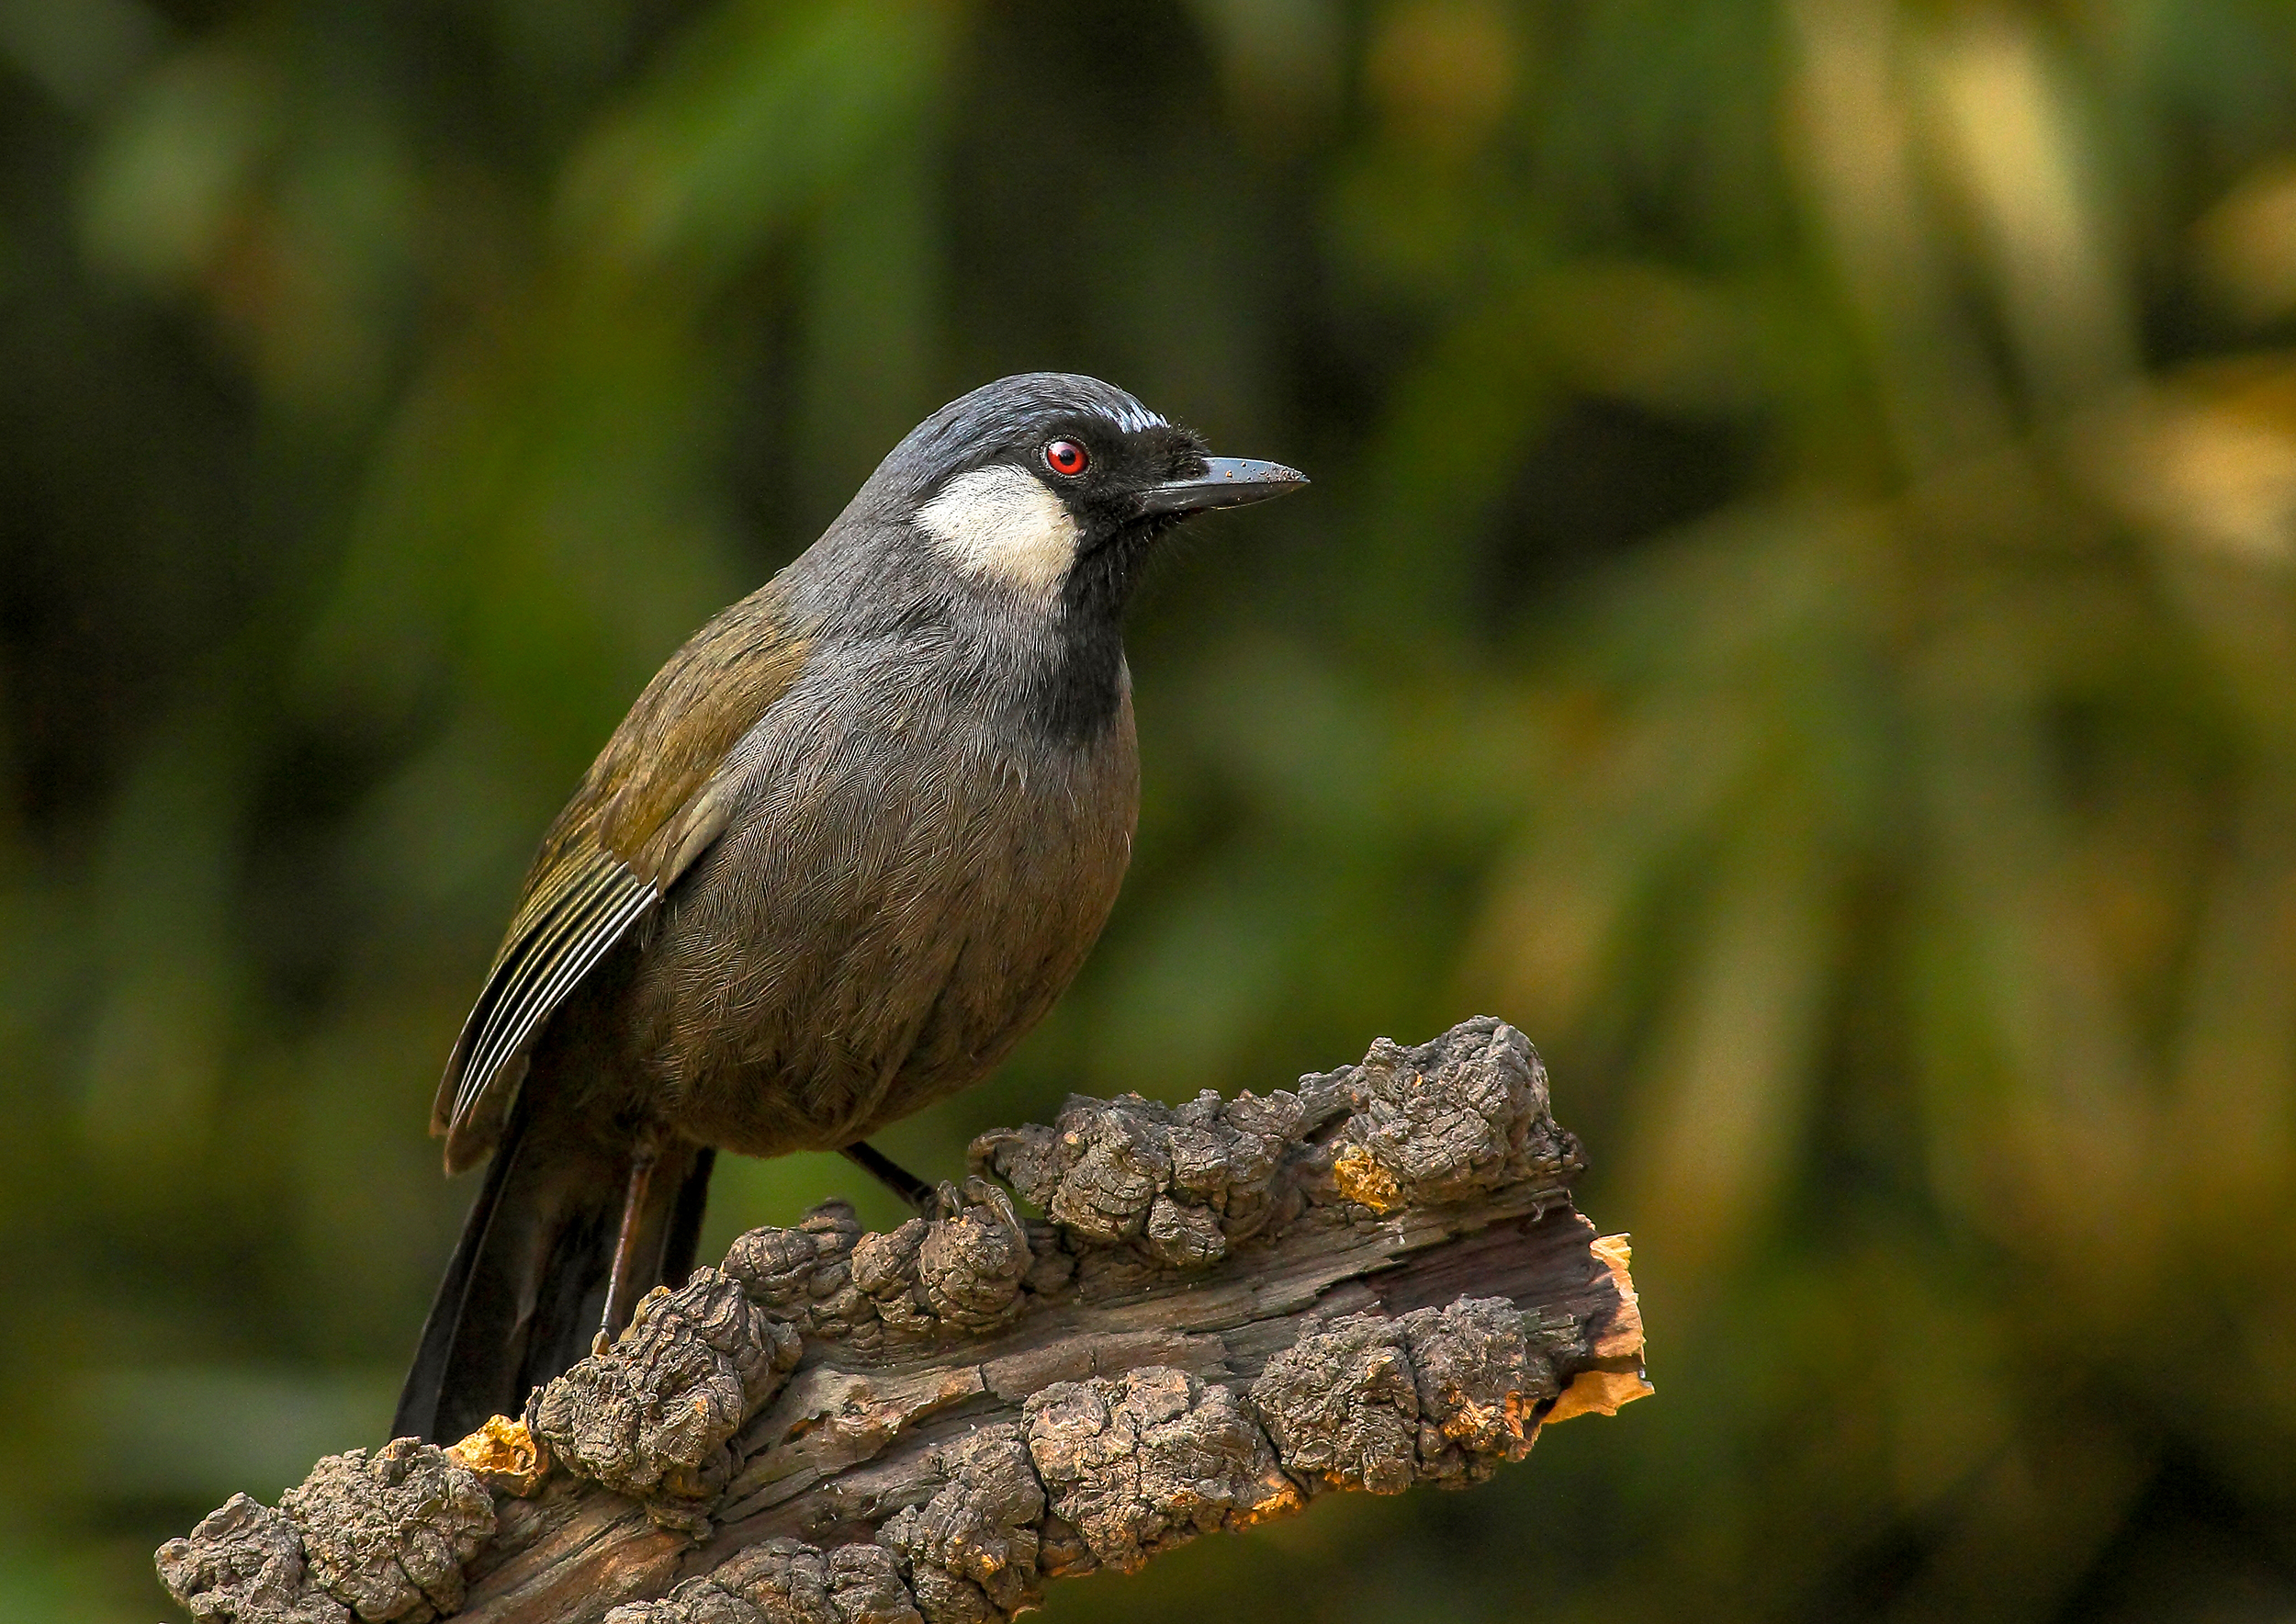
(950, 1202)
(921, 1198)
(933, 1202)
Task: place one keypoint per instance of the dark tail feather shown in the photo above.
(524, 1291)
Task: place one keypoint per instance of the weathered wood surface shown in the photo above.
(1375, 1280)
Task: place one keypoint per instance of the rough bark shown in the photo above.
(1374, 1280)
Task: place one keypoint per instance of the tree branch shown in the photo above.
(1374, 1280)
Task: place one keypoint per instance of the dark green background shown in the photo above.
(1798, 610)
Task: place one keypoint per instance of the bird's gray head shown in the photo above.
(1051, 486)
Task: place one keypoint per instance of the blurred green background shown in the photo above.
(1798, 610)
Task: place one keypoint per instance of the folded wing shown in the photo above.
(658, 796)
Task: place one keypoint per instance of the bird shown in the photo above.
(847, 848)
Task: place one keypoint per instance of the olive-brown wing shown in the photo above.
(654, 800)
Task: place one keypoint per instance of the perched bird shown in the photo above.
(847, 848)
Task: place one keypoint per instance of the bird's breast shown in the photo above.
(914, 875)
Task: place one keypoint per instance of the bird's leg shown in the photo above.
(921, 1196)
(620, 1284)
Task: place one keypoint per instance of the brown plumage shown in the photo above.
(844, 851)
(654, 799)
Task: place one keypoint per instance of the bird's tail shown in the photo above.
(525, 1289)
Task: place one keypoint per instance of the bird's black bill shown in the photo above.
(1226, 481)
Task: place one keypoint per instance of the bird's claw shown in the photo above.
(950, 1201)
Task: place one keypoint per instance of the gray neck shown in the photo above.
(1058, 668)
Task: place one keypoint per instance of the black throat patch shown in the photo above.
(1074, 694)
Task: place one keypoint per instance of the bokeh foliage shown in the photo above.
(1798, 610)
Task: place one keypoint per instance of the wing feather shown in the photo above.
(562, 942)
(658, 796)
(574, 965)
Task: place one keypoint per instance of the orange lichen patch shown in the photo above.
(1361, 1178)
(1623, 1336)
(1599, 1392)
(1481, 1421)
(1283, 1499)
(504, 1455)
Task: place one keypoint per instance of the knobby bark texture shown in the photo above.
(1229, 1307)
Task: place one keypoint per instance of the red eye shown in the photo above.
(1065, 456)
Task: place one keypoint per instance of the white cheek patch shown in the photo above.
(1002, 523)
